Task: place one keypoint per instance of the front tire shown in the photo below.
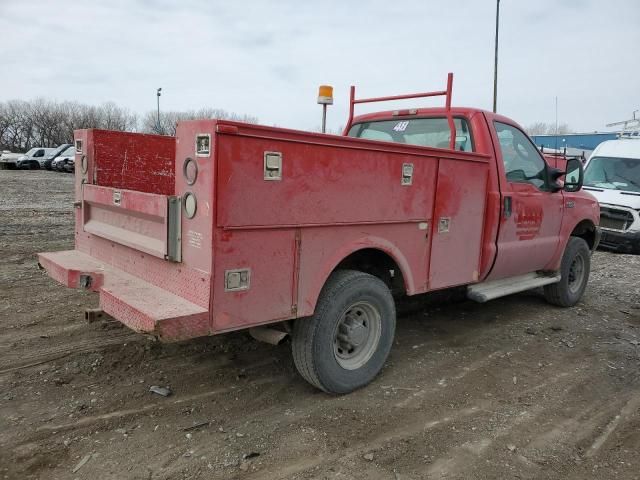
(574, 269)
(345, 343)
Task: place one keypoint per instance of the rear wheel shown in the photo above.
(575, 269)
(345, 344)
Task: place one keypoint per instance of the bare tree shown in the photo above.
(169, 119)
(330, 131)
(45, 123)
(117, 118)
(543, 128)
(17, 125)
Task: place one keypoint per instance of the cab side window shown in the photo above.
(522, 162)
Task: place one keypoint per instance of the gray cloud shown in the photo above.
(267, 58)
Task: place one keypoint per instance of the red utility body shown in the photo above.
(277, 211)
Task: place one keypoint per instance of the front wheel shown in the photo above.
(345, 344)
(574, 270)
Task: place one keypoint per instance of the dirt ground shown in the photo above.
(514, 388)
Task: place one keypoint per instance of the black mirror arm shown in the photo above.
(555, 174)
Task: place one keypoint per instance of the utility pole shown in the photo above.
(158, 121)
(495, 65)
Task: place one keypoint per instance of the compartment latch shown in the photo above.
(407, 174)
(272, 166)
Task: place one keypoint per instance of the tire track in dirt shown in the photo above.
(29, 357)
(628, 409)
(416, 426)
(532, 451)
(118, 414)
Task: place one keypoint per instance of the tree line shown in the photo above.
(544, 128)
(46, 123)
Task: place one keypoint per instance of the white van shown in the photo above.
(612, 175)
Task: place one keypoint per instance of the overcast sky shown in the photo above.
(267, 58)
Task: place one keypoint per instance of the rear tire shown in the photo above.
(345, 343)
(574, 269)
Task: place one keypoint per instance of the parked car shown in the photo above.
(8, 159)
(230, 226)
(65, 161)
(70, 165)
(612, 175)
(34, 158)
(50, 157)
(57, 164)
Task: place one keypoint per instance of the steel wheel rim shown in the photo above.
(357, 335)
(576, 274)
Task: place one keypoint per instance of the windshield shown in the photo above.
(613, 173)
(31, 152)
(59, 149)
(69, 152)
(426, 132)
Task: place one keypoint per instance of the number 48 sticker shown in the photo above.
(401, 126)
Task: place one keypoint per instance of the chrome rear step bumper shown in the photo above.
(141, 306)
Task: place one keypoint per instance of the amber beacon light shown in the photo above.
(325, 97)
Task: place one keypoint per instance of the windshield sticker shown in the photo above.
(401, 126)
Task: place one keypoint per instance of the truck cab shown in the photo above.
(527, 212)
(230, 226)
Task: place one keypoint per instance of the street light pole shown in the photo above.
(495, 65)
(158, 121)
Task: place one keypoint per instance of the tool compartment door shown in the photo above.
(135, 219)
(457, 222)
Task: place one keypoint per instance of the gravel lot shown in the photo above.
(515, 388)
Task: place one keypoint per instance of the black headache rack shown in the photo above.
(563, 154)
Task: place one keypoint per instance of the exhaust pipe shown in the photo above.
(268, 335)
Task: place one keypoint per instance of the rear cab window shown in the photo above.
(424, 132)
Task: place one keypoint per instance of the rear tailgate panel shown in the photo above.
(135, 219)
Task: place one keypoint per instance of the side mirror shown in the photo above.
(574, 176)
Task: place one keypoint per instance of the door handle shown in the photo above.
(507, 206)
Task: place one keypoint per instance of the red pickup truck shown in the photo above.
(229, 226)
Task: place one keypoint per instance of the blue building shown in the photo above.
(582, 141)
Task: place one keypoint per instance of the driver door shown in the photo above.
(531, 214)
